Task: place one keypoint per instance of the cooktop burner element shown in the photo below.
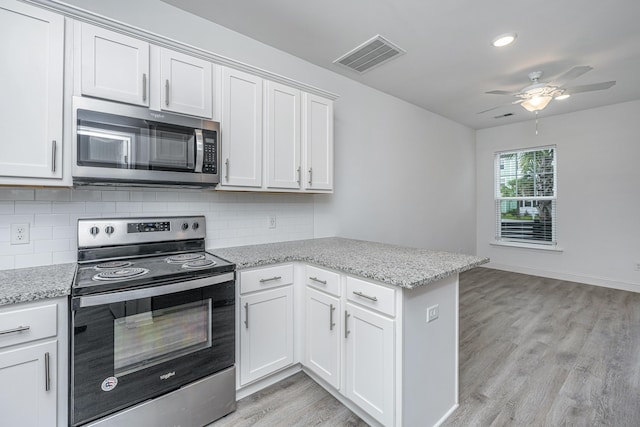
(199, 263)
(182, 258)
(113, 264)
(121, 274)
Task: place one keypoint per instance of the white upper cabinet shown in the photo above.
(318, 142)
(241, 129)
(114, 66)
(120, 68)
(282, 136)
(186, 84)
(32, 51)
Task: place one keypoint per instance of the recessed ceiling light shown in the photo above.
(561, 97)
(504, 39)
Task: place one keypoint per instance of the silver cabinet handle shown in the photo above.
(15, 330)
(246, 315)
(299, 172)
(346, 325)
(310, 175)
(226, 170)
(270, 279)
(360, 294)
(315, 279)
(331, 323)
(54, 148)
(144, 87)
(166, 92)
(47, 377)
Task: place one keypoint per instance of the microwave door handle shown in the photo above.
(199, 150)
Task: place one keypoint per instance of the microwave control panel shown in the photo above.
(210, 155)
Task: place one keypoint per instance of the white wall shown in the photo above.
(402, 174)
(598, 155)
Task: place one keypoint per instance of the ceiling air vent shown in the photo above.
(375, 51)
(502, 116)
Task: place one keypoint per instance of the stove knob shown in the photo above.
(94, 230)
(109, 229)
(185, 226)
(195, 226)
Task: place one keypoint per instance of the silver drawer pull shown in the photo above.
(246, 315)
(15, 330)
(270, 279)
(360, 294)
(315, 279)
(331, 322)
(47, 376)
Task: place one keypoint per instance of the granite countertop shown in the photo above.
(391, 264)
(35, 283)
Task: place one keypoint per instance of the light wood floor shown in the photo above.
(533, 352)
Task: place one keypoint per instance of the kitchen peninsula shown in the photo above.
(375, 324)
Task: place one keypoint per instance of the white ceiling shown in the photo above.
(450, 62)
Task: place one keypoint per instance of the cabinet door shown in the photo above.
(186, 84)
(27, 398)
(369, 366)
(114, 66)
(323, 336)
(241, 131)
(282, 139)
(266, 333)
(318, 142)
(32, 52)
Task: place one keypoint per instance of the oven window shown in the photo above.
(155, 336)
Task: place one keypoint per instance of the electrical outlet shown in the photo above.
(433, 313)
(637, 265)
(272, 221)
(20, 234)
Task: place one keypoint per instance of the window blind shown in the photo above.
(525, 195)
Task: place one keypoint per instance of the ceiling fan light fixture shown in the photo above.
(504, 39)
(536, 103)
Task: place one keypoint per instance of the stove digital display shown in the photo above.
(146, 227)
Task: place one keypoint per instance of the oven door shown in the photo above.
(134, 345)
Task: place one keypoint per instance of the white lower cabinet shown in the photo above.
(323, 336)
(266, 333)
(369, 370)
(33, 359)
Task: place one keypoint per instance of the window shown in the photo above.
(525, 196)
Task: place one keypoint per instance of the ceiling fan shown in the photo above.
(537, 95)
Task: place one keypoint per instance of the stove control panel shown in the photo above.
(98, 232)
(146, 227)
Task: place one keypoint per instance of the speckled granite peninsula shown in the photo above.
(35, 283)
(391, 264)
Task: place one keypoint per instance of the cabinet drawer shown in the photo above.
(27, 324)
(324, 280)
(371, 295)
(266, 278)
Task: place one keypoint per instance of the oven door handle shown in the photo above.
(199, 150)
(113, 297)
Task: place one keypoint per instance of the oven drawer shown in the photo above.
(370, 295)
(322, 279)
(23, 325)
(266, 278)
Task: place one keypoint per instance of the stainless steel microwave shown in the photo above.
(119, 144)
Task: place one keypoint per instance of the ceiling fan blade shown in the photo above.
(589, 88)
(500, 106)
(499, 92)
(573, 73)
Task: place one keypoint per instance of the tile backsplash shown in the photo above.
(232, 219)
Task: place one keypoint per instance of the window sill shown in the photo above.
(547, 248)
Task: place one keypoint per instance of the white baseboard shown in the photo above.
(588, 280)
(254, 387)
(447, 415)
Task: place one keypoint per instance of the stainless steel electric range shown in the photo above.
(152, 325)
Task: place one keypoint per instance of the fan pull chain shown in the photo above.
(536, 123)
